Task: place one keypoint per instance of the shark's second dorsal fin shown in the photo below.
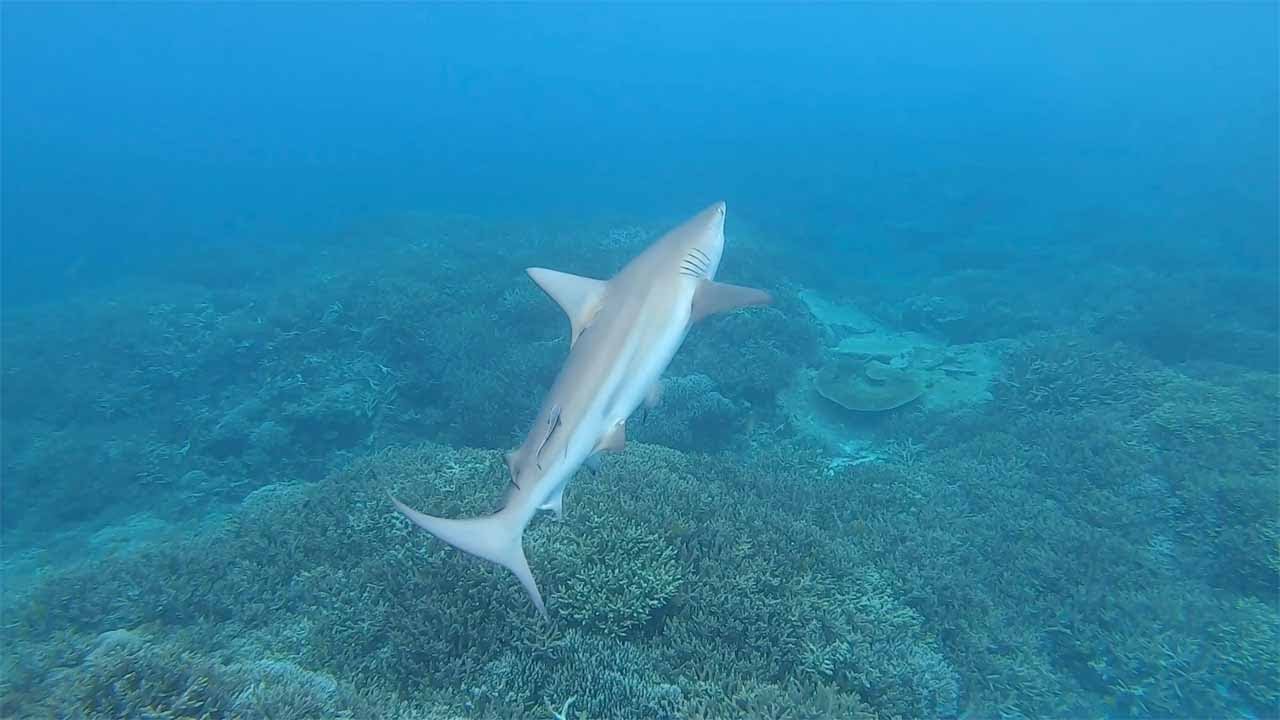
(578, 296)
(713, 297)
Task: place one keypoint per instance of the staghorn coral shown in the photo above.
(1061, 373)
(386, 606)
(610, 678)
(1099, 541)
(1216, 425)
(692, 416)
(280, 690)
(613, 576)
(1246, 646)
(122, 673)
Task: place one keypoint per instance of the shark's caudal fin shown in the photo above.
(496, 538)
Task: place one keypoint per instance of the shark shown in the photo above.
(624, 332)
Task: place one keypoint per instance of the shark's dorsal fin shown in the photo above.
(578, 296)
(713, 297)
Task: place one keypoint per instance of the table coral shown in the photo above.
(866, 386)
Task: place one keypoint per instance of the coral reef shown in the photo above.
(692, 416)
(937, 315)
(1073, 520)
(123, 673)
(667, 566)
(866, 385)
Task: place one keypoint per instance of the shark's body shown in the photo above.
(624, 333)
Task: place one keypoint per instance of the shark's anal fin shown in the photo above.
(613, 441)
(555, 503)
(496, 538)
(654, 395)
(578, 296)
(713, 297)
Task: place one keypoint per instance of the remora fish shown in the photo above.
(624, 333)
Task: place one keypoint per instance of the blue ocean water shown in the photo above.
(1005, 444)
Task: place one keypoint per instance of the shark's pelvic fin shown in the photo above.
(496, 538)
(513, 462)
(578, 296)
(614, 440)
(714, 297)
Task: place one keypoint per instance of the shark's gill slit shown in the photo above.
(692, 266)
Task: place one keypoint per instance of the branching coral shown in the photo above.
(692, 415)
(613, 575)
(1063, 373)
(1100, 540)
(387, 606)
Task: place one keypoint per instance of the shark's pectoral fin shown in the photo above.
(614, 440)
(713, 297)
(578, 296)
(496, 538)
(593, 463)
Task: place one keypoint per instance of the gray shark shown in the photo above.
(623, 333)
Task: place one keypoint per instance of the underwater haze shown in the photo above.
(1003, 445)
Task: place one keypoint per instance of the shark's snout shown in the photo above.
(713, 218)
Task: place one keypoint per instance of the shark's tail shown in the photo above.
(497, 538)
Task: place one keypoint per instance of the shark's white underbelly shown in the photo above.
(640, 365)
(646, 361)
